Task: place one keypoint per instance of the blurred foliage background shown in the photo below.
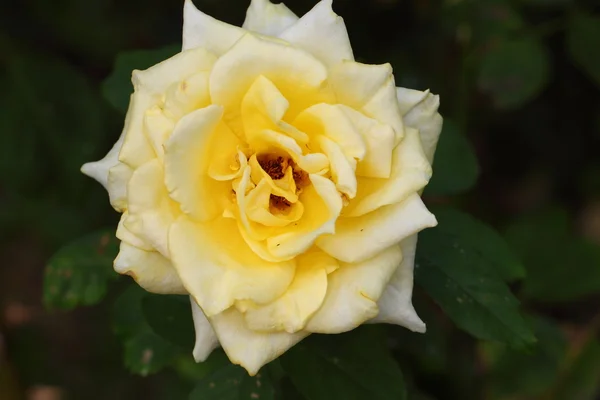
(519, 82)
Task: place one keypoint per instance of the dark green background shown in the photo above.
(520, 89)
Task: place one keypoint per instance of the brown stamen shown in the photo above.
(301, 178)
(279, 203)
(275, 167)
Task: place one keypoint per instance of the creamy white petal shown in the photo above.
(360, 238)
(321, 32)
(420, 111)
(395, 305)
(201, 30)
(118, 179)
(151, 210)
(410, 173)
(248, 348)
(187, 161)
(158, 78)
(353, 291)
(99, 169)
(267, 18)
(149, 269)
(125, 235)
(206, 338)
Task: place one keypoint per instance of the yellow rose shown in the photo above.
(275, 180)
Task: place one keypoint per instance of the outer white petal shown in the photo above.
(151, 210)
(353, 291)
(267, 18)
(420, 111)
(395, 305)
(99, 169)
(360, 238)
(149, 269)
(201, 30)
(250, 349)
(206, 339)
(322, 33)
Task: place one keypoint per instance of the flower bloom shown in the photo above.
(275, 180)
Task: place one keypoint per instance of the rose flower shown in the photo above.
(275, 180)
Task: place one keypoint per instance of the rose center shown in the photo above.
(276, 166)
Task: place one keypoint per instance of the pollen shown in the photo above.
(275, 166)
(279, 203)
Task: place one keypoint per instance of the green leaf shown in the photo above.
(560, 266)
(79, 272)
(455, 168)
(514, 72)
(233, 383)
(466, 285)
(117, 87)
(171, 318)
(145, 351)
(352, 366)
(481, 240)
(528, 373)
(583, 42)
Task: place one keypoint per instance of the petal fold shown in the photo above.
(395, 305)
(187, 161)
(149, 269)
(420, 111)
(302, 299)
(360, 238)
(206, 338)
(353, 291)
(248, 348)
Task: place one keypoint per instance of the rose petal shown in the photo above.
(206, 338)
(331, 121)
(395, 305)
(342, 171)
(149, 269)
(302, 299)
(158, 78)
(203, 31)
(353, 291)
(369, 89)
(322, 206)
(297, 74)
(410, 173)
(322, 33)
(264, 107)
(420, 112)
(151, 210)
(99, 169)
(187, 161)
(125, 235)
(217, 267)
(357, 239)
(118, 179)
(379, 143)
(136, 149)
(355, 83)
(268, 18)
(248, 348)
